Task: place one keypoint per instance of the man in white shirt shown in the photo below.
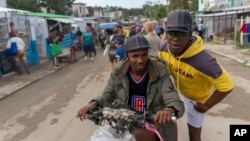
(21, 55)
(200, 29)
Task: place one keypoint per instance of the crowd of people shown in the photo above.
(168, 69)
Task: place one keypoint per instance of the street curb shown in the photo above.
(232, 58)
(31, 82)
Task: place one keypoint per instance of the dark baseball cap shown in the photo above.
(136, 42)
(118, 40)
(88, 24)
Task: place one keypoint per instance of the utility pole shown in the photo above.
(167, 5)
(151, 4)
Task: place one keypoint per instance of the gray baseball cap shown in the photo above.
(136, 42)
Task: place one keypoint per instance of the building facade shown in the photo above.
(79, 10)
(228, 13)
(208, 5)
(3, 3)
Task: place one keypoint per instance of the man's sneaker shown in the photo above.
(92, 59)
(86, 57)
(56, 67)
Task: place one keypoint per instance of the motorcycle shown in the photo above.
(117, 123)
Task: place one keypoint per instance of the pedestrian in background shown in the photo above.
(164, 40)
(152, 38)
(102, 38)
(164, 35)
(201, 28)
(15, 30)
(94, 36)
(127, 33)
(159, 30)
(60, 34)
(12, 28)
(78, 36)
(112, 50)
(132, 31)
(88, 43)
(21, 55)
(120, 51)
(54, 39)
(195, 29)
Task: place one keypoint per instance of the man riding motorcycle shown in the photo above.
(144, 84)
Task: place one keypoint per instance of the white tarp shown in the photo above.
(3, 9)
(62, 20)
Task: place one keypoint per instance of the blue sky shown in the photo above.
(120, 3)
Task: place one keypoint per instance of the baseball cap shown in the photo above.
(118, 40)
(88, 24)
(136, 42)
(179, 20)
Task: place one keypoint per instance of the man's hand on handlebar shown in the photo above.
(82, 113)
(163, 116)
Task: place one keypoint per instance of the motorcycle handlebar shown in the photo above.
(121, 115)
(150, 119)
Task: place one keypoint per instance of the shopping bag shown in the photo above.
(106, 49)
(12, 50)
(56, 49)
(107, 133)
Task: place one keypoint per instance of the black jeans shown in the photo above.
(201, 34)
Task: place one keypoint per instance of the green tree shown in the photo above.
(57, 6)
(29, 5)
(160, 11)
(174, 4)
(185, 4)
(178, 4)
(115, 8)
(135, 12)
(146, 10)
(194, 5)
(125, 17)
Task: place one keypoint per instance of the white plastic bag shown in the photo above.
(107, 133)
(106, 49)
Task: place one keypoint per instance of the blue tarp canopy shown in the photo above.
(108, 25)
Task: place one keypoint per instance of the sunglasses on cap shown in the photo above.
(180, 35)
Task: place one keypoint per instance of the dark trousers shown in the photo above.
(201, 34)
(86, 52)
(94, 50)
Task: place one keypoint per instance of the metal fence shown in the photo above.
(3, 33)
(224, 27)
(242, 40)
(21, 25)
